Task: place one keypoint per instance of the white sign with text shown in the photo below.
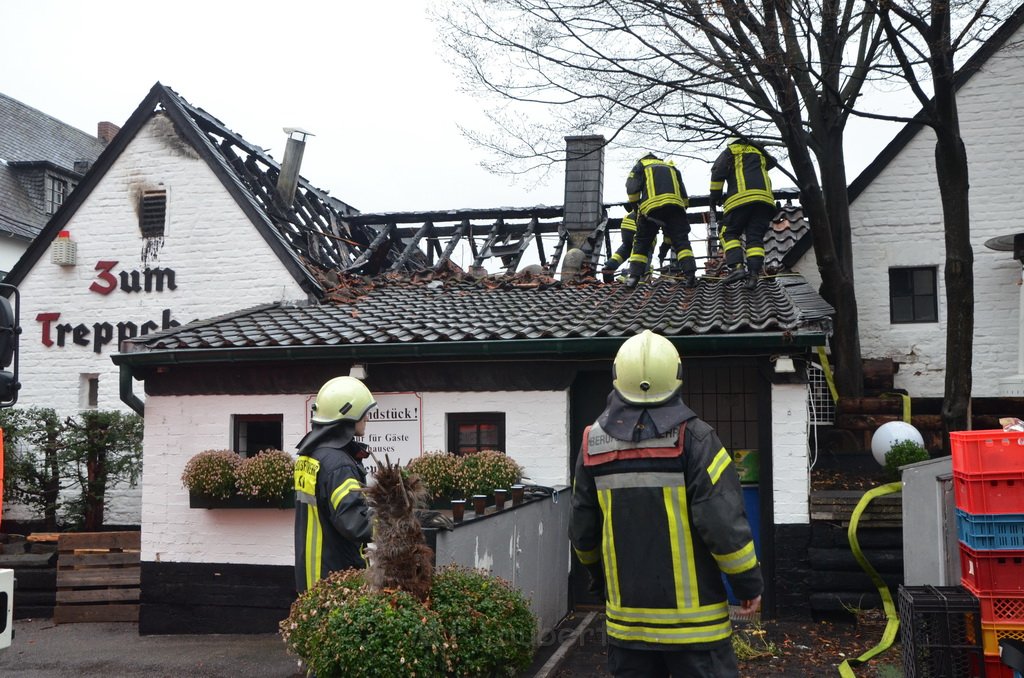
(393, 428)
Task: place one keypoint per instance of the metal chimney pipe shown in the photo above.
(288, 180)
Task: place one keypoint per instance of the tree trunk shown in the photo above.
(837, 288)
(954, 186)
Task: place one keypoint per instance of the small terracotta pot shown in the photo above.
(499, 498)
(479, 503)
(458, 510)
(517, 495)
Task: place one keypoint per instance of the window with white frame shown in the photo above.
(57, 190)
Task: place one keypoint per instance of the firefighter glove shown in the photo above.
(434, 519)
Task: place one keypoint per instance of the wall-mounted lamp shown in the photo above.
(784, 365)
(358, 370)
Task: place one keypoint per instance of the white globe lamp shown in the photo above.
(889, 434)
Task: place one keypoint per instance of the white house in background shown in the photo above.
(41, 161)
(898, 244)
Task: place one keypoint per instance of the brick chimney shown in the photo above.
(106, 131)
(288, 180)
(584, 182)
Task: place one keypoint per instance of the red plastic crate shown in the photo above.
(992, 572)
(981, 493)
(1001, 609)
(995, 668)
(988, 451)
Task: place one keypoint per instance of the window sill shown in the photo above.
(198, 501)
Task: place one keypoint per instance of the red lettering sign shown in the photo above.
(106, 276)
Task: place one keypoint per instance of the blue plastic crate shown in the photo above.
(991, 532)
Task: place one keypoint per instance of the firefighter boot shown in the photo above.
(636, 272)
(750, 282)
(687, 278)
(737, 272)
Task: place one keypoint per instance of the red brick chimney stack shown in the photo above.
(106, 131)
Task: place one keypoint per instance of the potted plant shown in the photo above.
(267, 476)
(223, 479)
(441, 473)
(483, 472)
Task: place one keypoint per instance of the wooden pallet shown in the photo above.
(98, 576)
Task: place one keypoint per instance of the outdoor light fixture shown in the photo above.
(784, 365)
(358, 370)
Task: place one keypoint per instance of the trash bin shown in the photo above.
(752, 507)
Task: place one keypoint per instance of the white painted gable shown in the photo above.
(897, 222)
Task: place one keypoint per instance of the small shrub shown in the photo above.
(488, 623)
(473, 625)
(342, 627)
(212, 473)
(901, 453)
(266, 475)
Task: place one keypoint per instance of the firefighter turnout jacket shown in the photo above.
(654, 183)
(742, 169)
(332, 524)
(663, 518)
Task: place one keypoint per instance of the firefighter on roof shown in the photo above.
(742, 169)
(655, 187)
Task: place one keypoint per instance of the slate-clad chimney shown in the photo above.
(288, 180)
(584, 180)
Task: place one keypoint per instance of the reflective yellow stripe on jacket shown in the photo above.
(688, 621)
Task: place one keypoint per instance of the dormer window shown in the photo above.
(57, 189)
(153, 213)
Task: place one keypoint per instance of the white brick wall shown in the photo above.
(221, 264)
(789, 454)
(897, 221)
(179, 427)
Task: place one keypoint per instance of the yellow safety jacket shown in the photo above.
(655, 183)
(664, 519)
(332, 522)
(745, 168)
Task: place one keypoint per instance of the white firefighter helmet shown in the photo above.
(342, 399)
(647, 369)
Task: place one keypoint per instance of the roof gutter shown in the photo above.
(128, 396)
(575, 346)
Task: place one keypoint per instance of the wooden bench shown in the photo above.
(98, 575)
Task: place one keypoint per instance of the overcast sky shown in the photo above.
(366, 78)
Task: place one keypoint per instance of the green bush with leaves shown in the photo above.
(211, 473)
(489, 625)
(472, 625)
(901, 453)
(268, 474)
(342, 627)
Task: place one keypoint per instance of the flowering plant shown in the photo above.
(267, 475)
(448, 475)
(486, 470)
(212, 473)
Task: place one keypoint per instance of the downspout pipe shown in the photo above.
(128, 396)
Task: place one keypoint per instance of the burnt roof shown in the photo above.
(527, 314)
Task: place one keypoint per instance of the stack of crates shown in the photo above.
(988, 483)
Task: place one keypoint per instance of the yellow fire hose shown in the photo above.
(892, 623)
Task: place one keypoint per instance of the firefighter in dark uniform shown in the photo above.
(621, 254)
(742, 169)
(332, 522)
(657, 518)
(655, 187)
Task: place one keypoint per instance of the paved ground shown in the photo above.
(42, 649)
